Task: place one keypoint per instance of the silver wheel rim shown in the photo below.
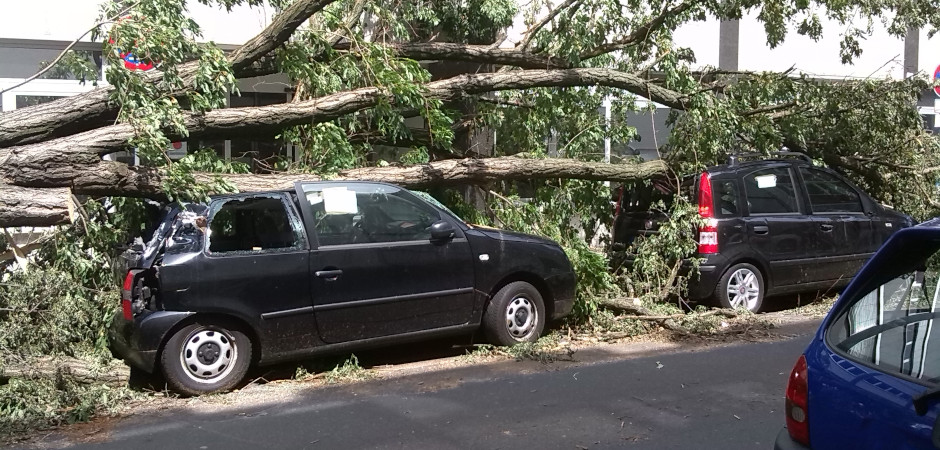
(521, 318)
(208, 355)
(743, 289)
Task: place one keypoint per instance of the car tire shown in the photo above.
(205, 357)
(741, 286)
(515, 314)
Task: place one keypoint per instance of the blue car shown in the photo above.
(870, 377)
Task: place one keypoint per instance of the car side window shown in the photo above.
(828, 193)
(770, 191)
(364, 214)
(727, 199)
(253, 224)
(893, 326)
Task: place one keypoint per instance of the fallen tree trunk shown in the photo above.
(24, 206)
(50, 206)
(115, 374)
(628, 305)
(229, 122)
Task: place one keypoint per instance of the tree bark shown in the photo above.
(23, 206)
(115, 374)
(33, 160)
(44, 206)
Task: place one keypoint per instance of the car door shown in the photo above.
(255, 267)
(881, 355)
(376, 271)
(843, 228)
(779, 232)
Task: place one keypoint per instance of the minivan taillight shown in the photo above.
(708, 233)
(797, 407)
(127, 294)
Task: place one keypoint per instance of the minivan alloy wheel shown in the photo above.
(743, 289)
(741, 286)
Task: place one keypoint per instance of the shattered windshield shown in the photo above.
(430, 199)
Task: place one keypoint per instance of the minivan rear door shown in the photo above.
(880, 350)
(779, 232)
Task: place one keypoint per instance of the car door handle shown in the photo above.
(329, 274)
(826, 227)
(761, 229)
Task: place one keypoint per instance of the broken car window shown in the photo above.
(252, 224)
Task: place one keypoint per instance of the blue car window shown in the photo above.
(894, 327)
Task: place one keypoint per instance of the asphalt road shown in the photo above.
(723, 398)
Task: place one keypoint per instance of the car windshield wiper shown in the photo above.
(920, 401)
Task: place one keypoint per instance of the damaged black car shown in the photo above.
(328, 267)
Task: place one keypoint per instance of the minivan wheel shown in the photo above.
(515, 314)
(742, 286)
(204, 358)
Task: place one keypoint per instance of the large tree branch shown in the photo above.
(276, 33)
(93, 109)
(531, 32)
(23, 206)
(36, 207)
(446, 51)
(641, 34)
(35, 160)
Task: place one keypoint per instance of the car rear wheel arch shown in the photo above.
(229, 320)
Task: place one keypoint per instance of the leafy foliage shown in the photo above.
(657, 272)
(548, 213)
(29, 404)
(349, 370)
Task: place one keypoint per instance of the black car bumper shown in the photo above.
(138, 341)
(563, 292)
(785, 442)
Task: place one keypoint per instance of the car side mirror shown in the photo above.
(442, 230)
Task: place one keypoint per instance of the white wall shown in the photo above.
(882, 55)
(928, 57)
(66, 20)
(702, 39)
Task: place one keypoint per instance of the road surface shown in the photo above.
(723, 397)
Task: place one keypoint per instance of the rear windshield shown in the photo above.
(893, 327)
(641, 196)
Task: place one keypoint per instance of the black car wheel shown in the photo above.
(204, 358)
(742, 286)
(515, 314)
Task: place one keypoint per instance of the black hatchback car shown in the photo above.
(773, 226)
(326, 267)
